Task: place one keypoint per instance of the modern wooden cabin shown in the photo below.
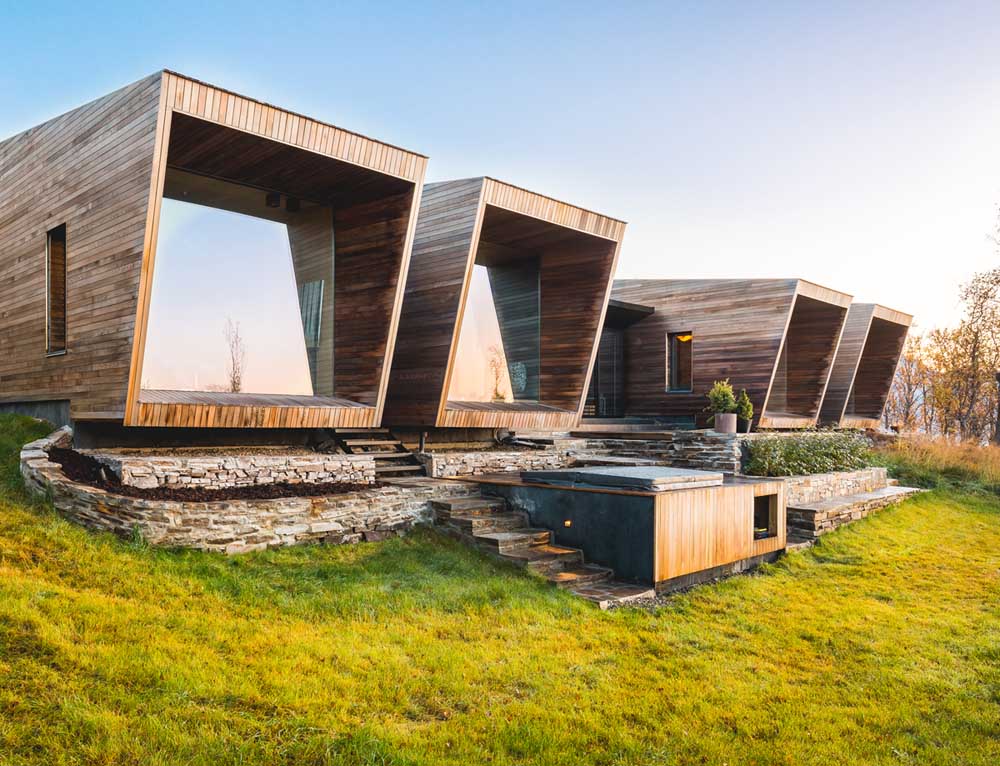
(504, 302)
(668, 340)
(80, 208)
(866, 362)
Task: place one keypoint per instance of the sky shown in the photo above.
(852, 144)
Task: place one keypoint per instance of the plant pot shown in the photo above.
(742, 425)
(725, 422)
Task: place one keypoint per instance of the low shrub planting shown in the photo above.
(807, 453)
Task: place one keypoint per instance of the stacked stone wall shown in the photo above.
(237, 526)
(211, 471)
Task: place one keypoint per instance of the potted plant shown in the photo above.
(744, 412)
(722, 405)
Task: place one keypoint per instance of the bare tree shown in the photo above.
(236, 365)
(903, 410)
(497, 365)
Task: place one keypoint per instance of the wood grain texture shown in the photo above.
(700, 529)
(737, 325)
(739, 328)
(91, 169)
(370, 191)
(102, 169)
(869, 352)
(804, 363)
(577, 251)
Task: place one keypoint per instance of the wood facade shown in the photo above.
(102, 170)
(483, 220)
(774, 337)
(870, 349)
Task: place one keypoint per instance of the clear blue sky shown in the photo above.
(852, 145)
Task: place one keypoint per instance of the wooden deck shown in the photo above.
(207, 409)
(524, 415)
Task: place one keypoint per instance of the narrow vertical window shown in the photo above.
(55, 272)
(679, 367)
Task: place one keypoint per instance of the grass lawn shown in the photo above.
(879, 646)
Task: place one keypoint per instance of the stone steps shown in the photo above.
(490, 526)
(807, 521)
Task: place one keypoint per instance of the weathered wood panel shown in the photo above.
(199, 409)
(447, 230)
(737, 324)
(371, 242)
(374, 191)
(577, 252)
(870, 348)
(700, 529)
(845, 365)
(90, 169)
(804, 363)
(739, 329)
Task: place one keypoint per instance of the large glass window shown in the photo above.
(227, 313)
(679, 361)
(498, 354)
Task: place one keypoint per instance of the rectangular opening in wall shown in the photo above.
(765, 517)
(679, 361)
(55, 278)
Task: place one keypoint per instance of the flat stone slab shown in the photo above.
(608, 594)
(653, 478)
(886, 495)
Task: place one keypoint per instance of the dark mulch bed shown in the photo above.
(86, 470)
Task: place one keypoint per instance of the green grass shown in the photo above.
(879, 646)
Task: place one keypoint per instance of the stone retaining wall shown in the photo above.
(147, 471)
(448, 464)
(703, 449)
(800, 490)
(237, 526)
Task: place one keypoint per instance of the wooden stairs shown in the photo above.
(391, 458)
(488, 524)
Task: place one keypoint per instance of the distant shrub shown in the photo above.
(807, 453)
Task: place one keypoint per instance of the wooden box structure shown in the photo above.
(776, 338)
(668, 538)
(102, 172)
(870, 349)
(548, 266)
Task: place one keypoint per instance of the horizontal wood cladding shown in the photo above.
(100, 170)
(458, 220)
(737, 327)
(373, 190)
(89, 169)
(869, 352)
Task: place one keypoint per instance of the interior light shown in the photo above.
(684, 338)
(567, 523)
